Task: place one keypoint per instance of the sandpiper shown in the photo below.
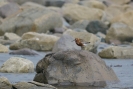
(81, 43)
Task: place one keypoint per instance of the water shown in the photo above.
(124, 72)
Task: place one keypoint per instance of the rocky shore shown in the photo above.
(28, 27)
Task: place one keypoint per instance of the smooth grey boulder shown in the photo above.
(66, 42)
(32, 18)
(117, 52)
(35, 41)
(77, 67)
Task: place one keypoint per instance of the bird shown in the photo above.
(80, 42)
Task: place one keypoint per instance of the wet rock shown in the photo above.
(11, 36)
(3, 49)
(17, 65)
(4, 83)
(93, 4)
(24, 51)
(35, 41)
(96, 26)
(119, 31)
(87, 37)
(77, 67)
(8, 9)
(74, 12)
(66, 42)
(117, 52)
(33, 19)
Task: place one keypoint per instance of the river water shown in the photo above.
(122, 67)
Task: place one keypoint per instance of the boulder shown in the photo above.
(17, 65)
(93, 4)
(87, 37)
(11, 36)
(65, 42)
(24, 51)
(3, 49)
(117, 52)
(32, 18)
(4, 83)
(75, 12)
(35, 41)
(97, 26)
(119, 31)
(8, 9)
(126, 18)
(77, 67)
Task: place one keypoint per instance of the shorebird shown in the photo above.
(80, 42)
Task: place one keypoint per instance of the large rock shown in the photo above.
(3, 49)
(126, 18)
(36, 41)
(97, 26)
(75, 12)
(117, 52)
(119, 31)
(4, 83)
(93, 4)
(8, 9)
(65, 43)
(17, 65)
(87, 37)
(32, 18)
(79, 67)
